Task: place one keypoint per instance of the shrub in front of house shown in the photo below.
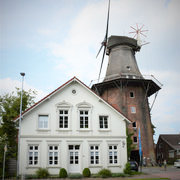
(63, 173)
(127, 169)
(86, 172)
(42, 173)
(104, 173)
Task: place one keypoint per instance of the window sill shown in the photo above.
(95, 166)
(44, 130)
(104, 130)
(33, 166)
(53, 166)
(63, 130)
(114, 165)
(84, 130)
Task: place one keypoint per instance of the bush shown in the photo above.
(86, 172)
(42, 173)
(127, 169)
(104, 173)
(63, 173)
(75, 176)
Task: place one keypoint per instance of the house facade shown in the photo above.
(168, 147)
(72, 128)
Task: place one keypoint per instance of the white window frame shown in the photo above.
(53, 151)
(63, 118)
(84, 106)
(33, 151)
(113, 150)
(95, 152)
(64, 106)
(48, 119)
(103, 122)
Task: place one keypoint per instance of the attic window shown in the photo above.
(74, 91)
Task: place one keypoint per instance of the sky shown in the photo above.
(55, 40)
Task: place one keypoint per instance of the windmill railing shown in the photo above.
(125, 76)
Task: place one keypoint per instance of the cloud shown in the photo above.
(8, 85)
(166, 108)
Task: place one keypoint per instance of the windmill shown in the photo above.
(138, 31)
(104, 42)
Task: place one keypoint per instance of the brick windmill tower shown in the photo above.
(125, 88)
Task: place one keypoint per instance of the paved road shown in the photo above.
(159, 172)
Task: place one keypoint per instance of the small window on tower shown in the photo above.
(131, 94)
(134, 125)
(135, 139)
(133, 109)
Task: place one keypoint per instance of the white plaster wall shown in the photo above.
(31, 134)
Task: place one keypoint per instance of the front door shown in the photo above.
(74, 166)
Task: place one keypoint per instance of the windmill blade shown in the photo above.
(133, 28)
(107, 26)
(132, 32)
(99, 51)
(141, 27)
(143, 34)
(104, 43)
(102, 63)
(144, 30)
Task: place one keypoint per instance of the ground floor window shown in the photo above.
(113, 154)
(53, 155)
(33, 154)
(74, 154)
(94, 154)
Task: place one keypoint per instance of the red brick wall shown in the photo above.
(121, 97)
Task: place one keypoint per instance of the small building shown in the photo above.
(72, 128)
(168, 147)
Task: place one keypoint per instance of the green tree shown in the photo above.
(9, 110)
(130, 145)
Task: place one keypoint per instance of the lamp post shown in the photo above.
(20, 118)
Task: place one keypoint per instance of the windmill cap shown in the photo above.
(114, 41)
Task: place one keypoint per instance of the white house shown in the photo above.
(72, 128)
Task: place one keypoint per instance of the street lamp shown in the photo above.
(20, 118)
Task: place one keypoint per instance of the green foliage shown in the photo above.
(127, 169)
(153, 129)
(86, 172)
(63, 173)
(9, 110)
(75, 176)
(130, 145)
(104, 173)
(42, 173)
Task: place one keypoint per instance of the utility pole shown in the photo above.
(20, 119)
